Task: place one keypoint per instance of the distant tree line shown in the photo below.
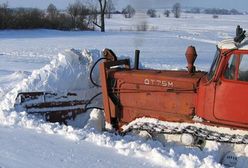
(215, 11)
(222, 11)
(128, 11)
(176, 11)
(77, 16)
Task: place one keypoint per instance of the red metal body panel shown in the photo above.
(110, 107)
(231, 102)
(156, 94)
(205, 99)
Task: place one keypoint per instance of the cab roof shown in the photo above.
(230, 44)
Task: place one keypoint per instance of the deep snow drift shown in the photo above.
(69, 72)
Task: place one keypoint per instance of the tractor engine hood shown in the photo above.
(153, 92)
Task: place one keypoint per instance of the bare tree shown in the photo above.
(4, 15)
(102, 6)
(176, 9)
(52, 11)
(167, 13)
(128, 12)
(92, 17)
(35, 17)
(74, 10)
(152, 13)
(80, 15)
(109, 8)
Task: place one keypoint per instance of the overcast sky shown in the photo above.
(61, 4)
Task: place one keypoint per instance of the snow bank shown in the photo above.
(69, 72)
(96, 121)
(168, 155)
(14, 78)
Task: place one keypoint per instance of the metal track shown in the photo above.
(54, 107)
(193, 130)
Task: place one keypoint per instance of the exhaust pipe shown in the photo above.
(191, 57)
(136, 59)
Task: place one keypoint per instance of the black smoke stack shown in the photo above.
(136, 59)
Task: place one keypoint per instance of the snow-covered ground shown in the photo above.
(29, 60)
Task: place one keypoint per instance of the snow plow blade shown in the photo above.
(53, 106)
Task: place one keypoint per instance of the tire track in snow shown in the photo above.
(197, 39)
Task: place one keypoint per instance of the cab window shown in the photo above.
(214, 65)
(231, 68)
(243, 68)
(237, 68)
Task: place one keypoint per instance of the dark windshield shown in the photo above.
(214, 65)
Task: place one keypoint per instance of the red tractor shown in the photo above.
(159, 100)
(217, 98)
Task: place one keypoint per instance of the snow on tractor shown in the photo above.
(195, 104)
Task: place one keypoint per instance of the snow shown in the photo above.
(26, 148)
(40, 60)
(230, 44)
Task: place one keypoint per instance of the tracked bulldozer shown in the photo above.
(196, 104)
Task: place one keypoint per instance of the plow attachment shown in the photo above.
(53, 106)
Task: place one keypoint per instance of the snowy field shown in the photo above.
(30, 60)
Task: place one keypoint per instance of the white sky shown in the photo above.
(61, 4)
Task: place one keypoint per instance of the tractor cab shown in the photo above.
(233, 51)
(225, 88)
(234, 59)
